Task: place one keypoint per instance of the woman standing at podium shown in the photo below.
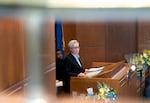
(73, 65)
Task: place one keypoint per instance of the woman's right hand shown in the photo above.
(81, 75)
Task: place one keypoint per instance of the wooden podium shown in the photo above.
(114, 74)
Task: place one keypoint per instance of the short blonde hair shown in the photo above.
(72, 42)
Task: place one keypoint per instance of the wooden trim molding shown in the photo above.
(13, 88)
(20, 85)
(50, 68)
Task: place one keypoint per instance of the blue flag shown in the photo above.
(59, 35)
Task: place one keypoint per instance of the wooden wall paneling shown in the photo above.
(91, 36)
(49, 57)
(143, 33)
(69, 32)
(120, 40)
(49, 43)
(10, 43)
(90, 54)
(12, 52)
(18, 33)
(21, 48)
(2, 55)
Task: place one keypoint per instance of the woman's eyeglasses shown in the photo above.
(75, 47)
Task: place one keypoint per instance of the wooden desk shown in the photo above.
(115, 75)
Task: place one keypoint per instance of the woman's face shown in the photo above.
(75, 48)
(59, 55)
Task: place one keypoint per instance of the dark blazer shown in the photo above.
(72, 68)
(60, 69)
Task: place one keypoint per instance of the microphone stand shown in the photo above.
(141, 82)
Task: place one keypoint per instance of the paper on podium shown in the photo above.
(93, 71)
(59, 84)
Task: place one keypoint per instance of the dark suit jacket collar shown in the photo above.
(72, 58)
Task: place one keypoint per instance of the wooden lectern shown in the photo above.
(114, 74)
